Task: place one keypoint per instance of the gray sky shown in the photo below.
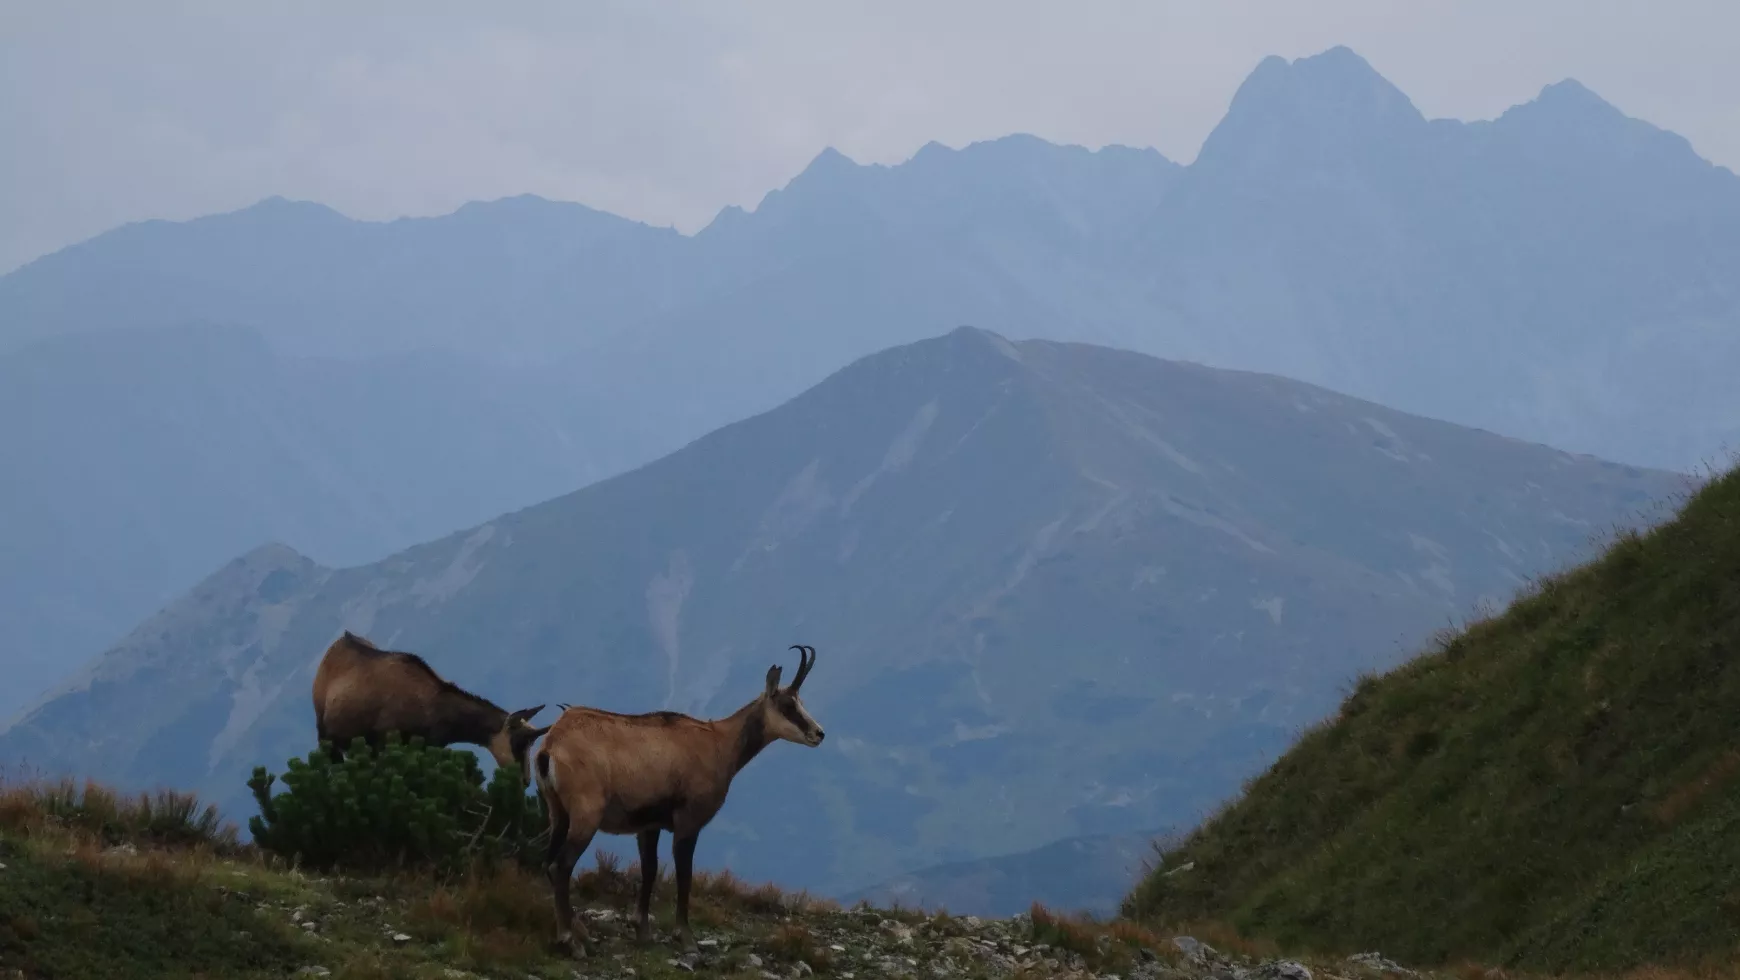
(666, 111)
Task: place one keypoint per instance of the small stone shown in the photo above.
(754, 961)
(1192, 948)
(837, 948)
(400, 939)
(801, 969)
(310, 926)
(314, 971)
(706, 942)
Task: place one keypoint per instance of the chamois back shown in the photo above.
(363, 690)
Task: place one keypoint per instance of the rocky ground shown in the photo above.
(96, 887)
(69, 908)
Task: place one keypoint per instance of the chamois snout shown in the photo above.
(790, 720)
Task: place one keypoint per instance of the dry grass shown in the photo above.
(794, 943)
(30, 805)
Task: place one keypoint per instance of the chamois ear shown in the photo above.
(773, 679)
(524, 714)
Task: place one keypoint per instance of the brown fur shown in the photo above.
(642, 774)
(362, 690)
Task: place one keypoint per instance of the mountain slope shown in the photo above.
(1553, 786)
(1092, 587)
(140, 460)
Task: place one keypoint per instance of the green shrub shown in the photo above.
(405, 804)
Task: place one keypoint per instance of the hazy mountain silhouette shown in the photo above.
(1563, 273)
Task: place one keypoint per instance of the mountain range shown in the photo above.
(1562, 273)
(1056, 590)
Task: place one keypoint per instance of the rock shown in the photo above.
(754, 962)
(1193, 949)
(400, 939)
(1283, 970)
(1376, 961)
(310, 926)
(314, 971)
(801, 969)
(682, 964)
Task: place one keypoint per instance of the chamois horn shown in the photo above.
(806, 660)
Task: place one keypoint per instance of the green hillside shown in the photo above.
(1552, 788)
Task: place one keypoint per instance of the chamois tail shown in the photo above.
(553, 806)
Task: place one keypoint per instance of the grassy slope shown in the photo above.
(1553, 787)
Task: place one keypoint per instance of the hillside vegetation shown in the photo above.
(1554, 787)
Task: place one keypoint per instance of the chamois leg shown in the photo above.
(572, 931)
(559, 859)
(649, 876)
(683, 850)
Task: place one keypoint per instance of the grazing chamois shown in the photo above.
(360, 689)
(640, 774)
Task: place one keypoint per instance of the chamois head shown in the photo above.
(782, 712)
(510, 743)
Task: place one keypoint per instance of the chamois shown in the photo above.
(360, 689)
(640, 774)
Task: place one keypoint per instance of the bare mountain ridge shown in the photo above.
(1092, 587)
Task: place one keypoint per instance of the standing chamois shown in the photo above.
(360, 689)
(640, 774)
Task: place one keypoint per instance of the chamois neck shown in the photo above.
(468, 718)
(748, 730)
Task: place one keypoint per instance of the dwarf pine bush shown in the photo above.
(406, 804)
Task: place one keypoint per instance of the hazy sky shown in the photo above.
(666, 111)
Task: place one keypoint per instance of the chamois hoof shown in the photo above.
(643, 934)
(571, 944)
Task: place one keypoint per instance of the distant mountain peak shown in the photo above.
(1334, 96)
(1569, 98)
(829, 161)
(279, 205)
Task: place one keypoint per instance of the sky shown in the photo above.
(114, 111)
